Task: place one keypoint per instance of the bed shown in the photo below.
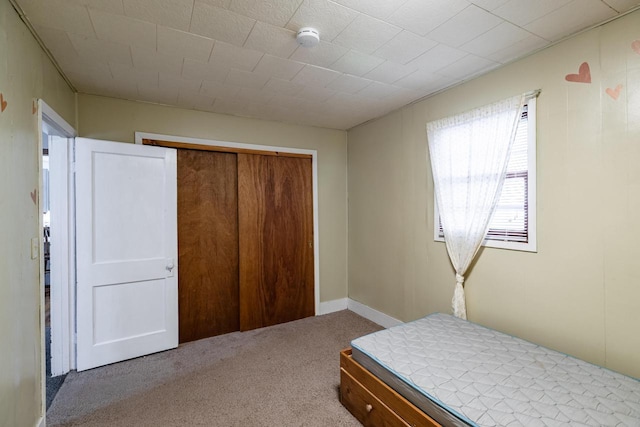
(444, 371)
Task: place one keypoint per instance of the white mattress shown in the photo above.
(464, 374)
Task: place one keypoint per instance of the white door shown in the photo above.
(126, 233)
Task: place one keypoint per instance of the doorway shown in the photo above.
(56, 249)
(52, 382)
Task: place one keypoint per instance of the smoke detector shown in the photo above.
(308, 37)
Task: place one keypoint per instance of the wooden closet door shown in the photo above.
(208, 293)
(275, 204)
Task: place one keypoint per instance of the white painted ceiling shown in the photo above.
(240, 57)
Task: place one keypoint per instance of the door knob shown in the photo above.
(170, 267)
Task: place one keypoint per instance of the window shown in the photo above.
(513, 224)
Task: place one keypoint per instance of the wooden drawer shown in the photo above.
(354, 377)
(365, 406)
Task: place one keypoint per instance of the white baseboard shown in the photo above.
(40, 422)
(363, 310)
(332, 306)
(374, 315)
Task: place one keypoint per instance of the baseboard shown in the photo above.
(374, 315)
(40, 422)
(332, 306)
(363, 310)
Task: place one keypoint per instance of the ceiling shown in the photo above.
(240, 57)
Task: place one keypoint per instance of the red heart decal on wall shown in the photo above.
(33, 195)
(3, 103)
(614, 93)
(583, 76)
(636, 46)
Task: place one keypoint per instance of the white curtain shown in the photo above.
(469, 156)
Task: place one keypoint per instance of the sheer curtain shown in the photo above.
(469, 155)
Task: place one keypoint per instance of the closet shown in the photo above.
(245, 239)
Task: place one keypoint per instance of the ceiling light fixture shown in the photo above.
(308, 37)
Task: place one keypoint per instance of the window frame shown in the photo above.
(531, 245)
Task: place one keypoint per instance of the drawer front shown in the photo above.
(364, 406)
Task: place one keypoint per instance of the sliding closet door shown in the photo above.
(207, 244)
(275, 204)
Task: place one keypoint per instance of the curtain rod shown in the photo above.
(532, 94)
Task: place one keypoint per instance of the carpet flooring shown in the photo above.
(284, 375)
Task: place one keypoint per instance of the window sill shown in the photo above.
(512, 246)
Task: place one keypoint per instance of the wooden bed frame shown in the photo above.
(373, 402)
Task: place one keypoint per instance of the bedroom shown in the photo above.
(576, 294)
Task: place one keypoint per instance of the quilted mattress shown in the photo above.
(462, 373)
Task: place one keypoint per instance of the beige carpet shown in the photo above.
(284, 375)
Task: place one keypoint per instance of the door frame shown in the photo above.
(52, 123)
(139, 136)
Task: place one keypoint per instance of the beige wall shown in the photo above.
(117, 120)
(25, 75)
(580, 293)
